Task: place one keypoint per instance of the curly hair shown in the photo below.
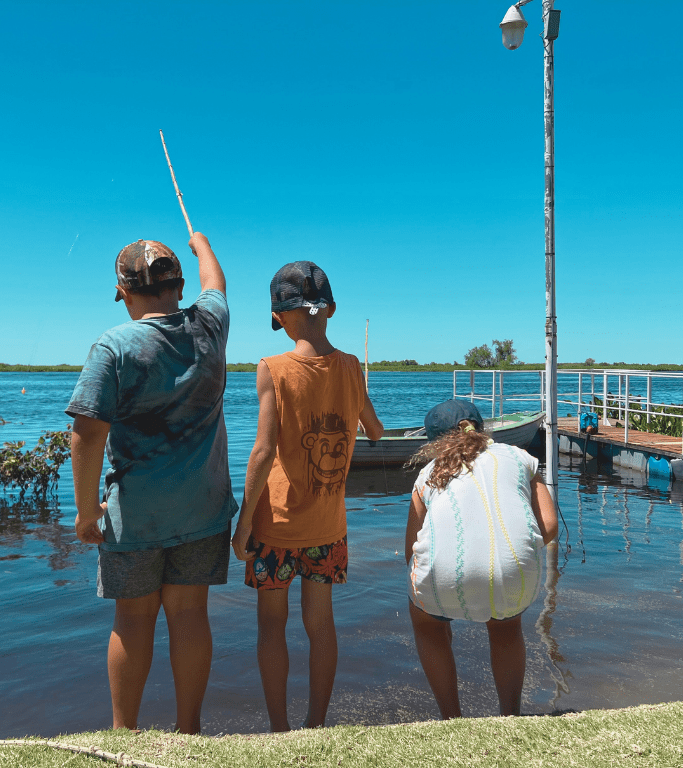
(454, 450)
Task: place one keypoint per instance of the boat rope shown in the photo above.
(386, 479)
(120, 759)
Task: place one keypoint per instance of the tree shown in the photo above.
(479, 357)
(590, 362)
(505, 352)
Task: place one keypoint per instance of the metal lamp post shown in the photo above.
(513, 26)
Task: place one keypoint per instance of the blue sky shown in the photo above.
(397, 144)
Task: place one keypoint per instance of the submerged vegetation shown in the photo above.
(38, 468)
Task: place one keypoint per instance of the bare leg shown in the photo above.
(433, 640)
(131, 646)
(190, 647)
(316, 610)
(273, 658)
(508, 662)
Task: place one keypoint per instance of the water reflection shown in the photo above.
(391, 481)
(23, 521)
(603, 633)
(544, 624)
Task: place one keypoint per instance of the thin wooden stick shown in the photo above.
(120, 759)
(367, 323)
(179, 194)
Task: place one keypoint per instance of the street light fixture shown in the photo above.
(513, 26)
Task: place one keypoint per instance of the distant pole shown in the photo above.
(367, 323)
(179, 194)
(551, 437)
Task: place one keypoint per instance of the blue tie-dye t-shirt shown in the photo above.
(159, 383)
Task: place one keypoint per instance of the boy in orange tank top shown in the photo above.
(293, 518)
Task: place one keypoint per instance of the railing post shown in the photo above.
(471, 386)
(649, 395)
(493, 395)
(500, 394)
(605, 420)
(579, 402)
(621, 404)
(455, 382)
(626, 409)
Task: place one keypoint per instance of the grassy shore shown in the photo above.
(642, 736)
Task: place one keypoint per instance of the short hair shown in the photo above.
(156, 289)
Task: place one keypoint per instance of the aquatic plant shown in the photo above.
(37, 468)
(664, 421)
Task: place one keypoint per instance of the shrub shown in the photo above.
(37, 468)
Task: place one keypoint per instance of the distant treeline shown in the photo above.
(5, 368)
(410, 366)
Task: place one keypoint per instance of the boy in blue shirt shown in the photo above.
(151, 392)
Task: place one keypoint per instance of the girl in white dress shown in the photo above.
(479, 517)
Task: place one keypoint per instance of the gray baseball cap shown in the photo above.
(446, 416)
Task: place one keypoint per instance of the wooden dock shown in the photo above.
(659, 444)
(658, 455)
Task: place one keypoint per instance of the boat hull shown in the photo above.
(395, 448)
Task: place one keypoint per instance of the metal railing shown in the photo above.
(576, 384)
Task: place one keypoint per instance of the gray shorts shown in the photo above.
(127, 575)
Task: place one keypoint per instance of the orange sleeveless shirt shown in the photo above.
(319, 400)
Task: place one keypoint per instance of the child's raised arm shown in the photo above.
(210, 271)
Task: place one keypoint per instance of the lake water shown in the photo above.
(605, 632)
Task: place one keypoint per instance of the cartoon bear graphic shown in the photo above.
(327, 444)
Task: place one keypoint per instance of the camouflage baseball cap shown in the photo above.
(144, 263)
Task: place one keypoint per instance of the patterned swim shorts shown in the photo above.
(275, 567)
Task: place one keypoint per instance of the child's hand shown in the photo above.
(86, 526)
(240, 540)
(197, 242)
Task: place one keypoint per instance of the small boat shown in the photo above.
(398, 445)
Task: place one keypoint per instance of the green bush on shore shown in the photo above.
(37, 468)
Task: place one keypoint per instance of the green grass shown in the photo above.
(640, 736)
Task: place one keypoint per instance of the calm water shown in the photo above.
(606, 631)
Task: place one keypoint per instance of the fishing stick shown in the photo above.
(179, 194)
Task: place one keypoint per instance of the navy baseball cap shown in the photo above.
(446, 416)
(299, 284)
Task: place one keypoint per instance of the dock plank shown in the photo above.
(661, 444)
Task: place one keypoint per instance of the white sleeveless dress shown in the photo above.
(478, 553)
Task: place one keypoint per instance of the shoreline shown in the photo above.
(389, 368)
(597, 737)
